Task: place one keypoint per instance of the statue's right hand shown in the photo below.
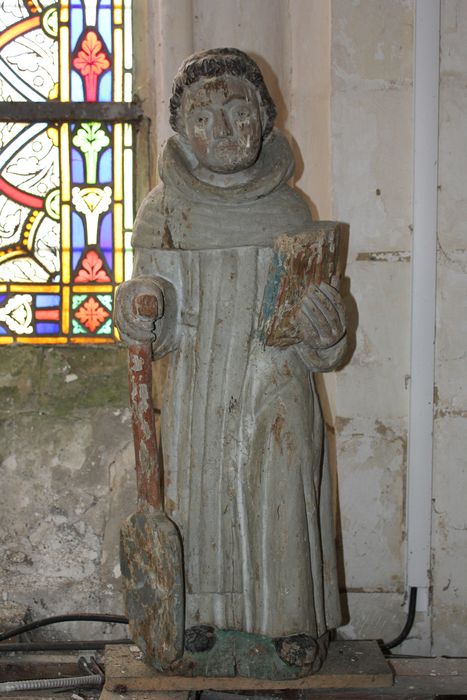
(138, 304)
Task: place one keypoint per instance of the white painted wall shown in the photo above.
(449, 552)
(371, 136)
(372, 143)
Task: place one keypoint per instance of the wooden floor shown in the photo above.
(348, 664)
(353, 670)
(414, 679)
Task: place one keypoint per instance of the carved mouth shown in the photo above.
(227, 146)
(232, 148)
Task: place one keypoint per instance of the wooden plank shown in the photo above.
(436, 666)
(348, 665)
(19, 669)
(34, 695)
(310, 694)
(145, 695)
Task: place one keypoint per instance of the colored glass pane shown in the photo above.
(66, 188)
(28, 50)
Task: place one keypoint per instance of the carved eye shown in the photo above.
(201, 119)
(243, 113)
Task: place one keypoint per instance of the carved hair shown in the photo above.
(214, 63)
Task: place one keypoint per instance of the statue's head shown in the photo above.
(222, 107)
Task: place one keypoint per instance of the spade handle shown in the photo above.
(147, 462)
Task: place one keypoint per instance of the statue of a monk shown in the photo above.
(246, 474)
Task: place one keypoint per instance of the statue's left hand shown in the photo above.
(321, 318)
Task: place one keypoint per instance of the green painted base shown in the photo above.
(244, 654)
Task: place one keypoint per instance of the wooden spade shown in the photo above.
(150, 544)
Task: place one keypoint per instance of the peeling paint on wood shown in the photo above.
(299, 261)
(152, 575)
(150, 546)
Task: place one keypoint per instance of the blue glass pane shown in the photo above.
(77, 167)
(44, 328)
(77, 227)
(3, 331)
(46, 300)
(77, 93)
(76, 22)
(3, 297)
(104, 22)
(105, 239)
(105, 88)
(105, 167)
(78, 237)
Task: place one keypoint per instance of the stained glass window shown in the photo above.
(66, 171)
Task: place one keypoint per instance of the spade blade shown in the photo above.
(152, 572)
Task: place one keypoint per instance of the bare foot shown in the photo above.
(297, 650)
(200, 638)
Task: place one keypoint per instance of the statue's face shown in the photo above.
(222, 120)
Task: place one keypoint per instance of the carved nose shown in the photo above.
(221, 127)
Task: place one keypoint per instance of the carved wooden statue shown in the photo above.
(245, 309)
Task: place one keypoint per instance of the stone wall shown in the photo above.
(67, 479)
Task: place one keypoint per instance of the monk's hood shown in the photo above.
(187, 214)
(273, 168)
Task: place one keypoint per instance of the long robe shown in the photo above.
(246, 474)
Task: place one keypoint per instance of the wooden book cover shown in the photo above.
(299, 262)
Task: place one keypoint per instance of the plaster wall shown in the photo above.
(371, 141)
(449, 538)
(371, 118)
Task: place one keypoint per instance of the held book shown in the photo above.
(299, 261)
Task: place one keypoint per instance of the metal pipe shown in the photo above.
(53, 684)
(422, 359)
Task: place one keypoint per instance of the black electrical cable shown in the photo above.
(408, 623)
(76, 617)
(81, 645)
(121, 619)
